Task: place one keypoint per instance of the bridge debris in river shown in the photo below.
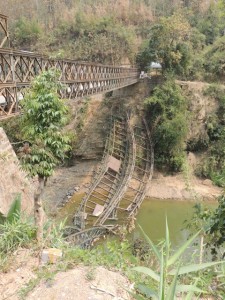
(120, 185)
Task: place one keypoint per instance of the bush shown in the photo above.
(16, 233)
(26, 32)
(214, 60)
(168, 108)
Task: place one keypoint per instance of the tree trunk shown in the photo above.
(38, 210)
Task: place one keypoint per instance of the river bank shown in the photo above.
(76, 179)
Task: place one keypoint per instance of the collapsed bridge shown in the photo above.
(120, 185)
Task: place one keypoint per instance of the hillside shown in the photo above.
(87, 238)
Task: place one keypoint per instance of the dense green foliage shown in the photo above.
(14, 234)
(44, 115)
(211, 222)
(167, 111)
(100, 31)
(189, 42)
(15, 231)
(100, 40)
(214, 59)
(26, 32)
(216, 231)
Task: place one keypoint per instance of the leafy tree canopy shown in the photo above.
(167, 109)
(44, 115)
(168, 44)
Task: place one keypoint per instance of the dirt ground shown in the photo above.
(81, 283)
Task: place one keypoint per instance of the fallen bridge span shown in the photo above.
(120, 185)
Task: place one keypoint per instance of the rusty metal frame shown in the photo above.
(4, 37)
(116, 201)
(19, 68)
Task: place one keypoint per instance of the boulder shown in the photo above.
(13, 180)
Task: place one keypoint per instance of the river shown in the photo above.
(153, 213)
(152, 217)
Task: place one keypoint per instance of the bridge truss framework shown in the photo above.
(18, 68)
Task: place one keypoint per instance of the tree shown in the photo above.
(44, 115)
(167, 110)
(169, 43)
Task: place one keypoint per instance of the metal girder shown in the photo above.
(18, 68)
(4, 34)
(114, 200)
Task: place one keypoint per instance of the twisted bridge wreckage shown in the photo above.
(120, 185)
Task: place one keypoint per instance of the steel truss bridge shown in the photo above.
(18, 68)
(120, 185)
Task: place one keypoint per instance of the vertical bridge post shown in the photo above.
(4, 34)
(8, 89)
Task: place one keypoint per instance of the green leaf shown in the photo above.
(172, 290)
(182, 249)
(188, 288)
(162, 278)
(148, 272)
(167, 241)
(147, 291)
(155, 250)
(195, 267)
(15, 209)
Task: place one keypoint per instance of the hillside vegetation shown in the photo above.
(186, 37)
(104, 31)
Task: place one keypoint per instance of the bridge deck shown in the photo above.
(120, 186)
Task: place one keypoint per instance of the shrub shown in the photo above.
(168, 108)
(26, 32)
(15, 234)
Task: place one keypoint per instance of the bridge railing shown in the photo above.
(18, 68)
(22, 66)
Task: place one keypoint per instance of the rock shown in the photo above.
(13, 180)
(51, 255)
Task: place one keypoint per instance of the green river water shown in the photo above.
(152, 216)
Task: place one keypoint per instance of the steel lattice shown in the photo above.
(18, 68)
